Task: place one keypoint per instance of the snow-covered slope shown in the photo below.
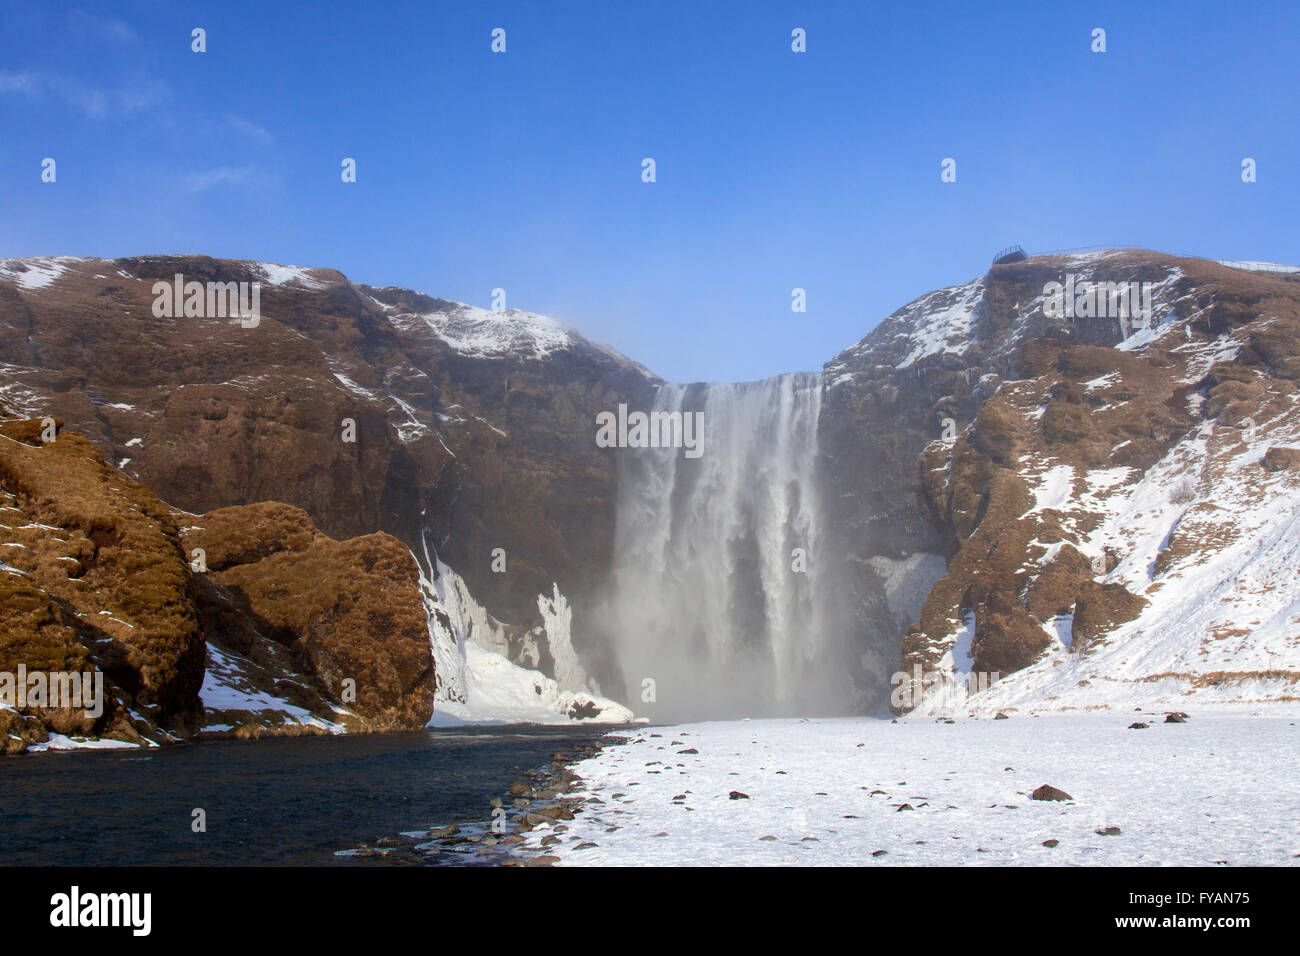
(475, 332)
(36, 273)
(1153, 479)
(479, 332)
(235, 693)
(1223, 620)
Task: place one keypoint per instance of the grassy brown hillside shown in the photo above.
(99, 574)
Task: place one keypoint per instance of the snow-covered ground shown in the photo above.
(1220, 788)
(943, 322)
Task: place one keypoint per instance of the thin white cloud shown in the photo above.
(97, 103)
(207, 179)
(249, 129)
(18, 83)
(104, 28)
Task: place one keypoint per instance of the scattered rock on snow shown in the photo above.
(1048, 792)
(1280, 458)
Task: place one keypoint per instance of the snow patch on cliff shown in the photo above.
(230, 685)
(558, 618)
(481, 333)
(943, 321)
(277, 274)
(33, 274)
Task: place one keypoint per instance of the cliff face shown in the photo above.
(370, 409)
(242, 622)
(926, 370)
(1008, 489)
(1074, 483)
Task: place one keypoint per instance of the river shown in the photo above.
(267, 802)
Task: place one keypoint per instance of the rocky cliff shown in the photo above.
(241, 622)
(372, 409)
(1088, 482)
(1084, 505)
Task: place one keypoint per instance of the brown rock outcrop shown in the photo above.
(1100, 608)
(347, 611)
(97, 575)
(1282, 459)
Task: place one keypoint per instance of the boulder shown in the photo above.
(1281, 458)
(1048, 792)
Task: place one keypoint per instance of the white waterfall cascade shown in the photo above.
(718, 598)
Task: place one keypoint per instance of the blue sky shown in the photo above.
(775, 170)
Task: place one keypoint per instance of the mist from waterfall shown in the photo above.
(719, 594)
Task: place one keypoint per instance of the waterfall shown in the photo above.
(720, 604)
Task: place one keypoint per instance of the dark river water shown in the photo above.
(267, 801)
